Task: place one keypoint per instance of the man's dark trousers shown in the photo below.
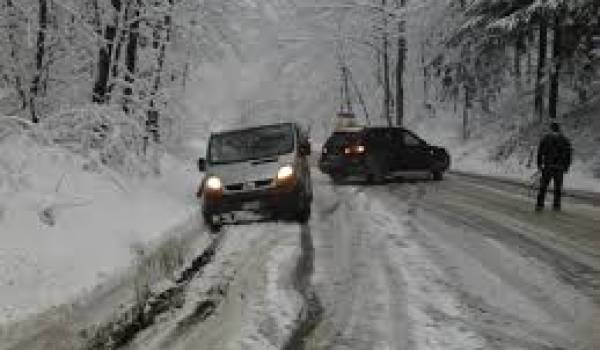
(548, 175)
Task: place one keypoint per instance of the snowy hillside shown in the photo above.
(65, 228)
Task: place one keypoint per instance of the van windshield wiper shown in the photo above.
(264, 160)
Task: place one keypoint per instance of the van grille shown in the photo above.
(234, 187)
(257, 184)
(263, 183)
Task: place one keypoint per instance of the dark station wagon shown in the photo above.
(378, 153)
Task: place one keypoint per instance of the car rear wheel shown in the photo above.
(336, 178)
(376, 172)
(374, 179)
(438, 175)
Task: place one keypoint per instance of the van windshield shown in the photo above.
(255, 143)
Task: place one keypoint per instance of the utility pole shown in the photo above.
(467, 83)
(556, 57)
(346, 101)
(541, 67)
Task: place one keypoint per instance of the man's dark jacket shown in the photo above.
(554, 153)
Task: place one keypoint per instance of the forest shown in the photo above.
(86, 70)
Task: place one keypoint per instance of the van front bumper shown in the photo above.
(271, 200)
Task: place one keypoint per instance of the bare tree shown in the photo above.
(12, 32)
(556, 65)
(36, 84)
(541, 67)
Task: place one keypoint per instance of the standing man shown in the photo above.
(554, 160)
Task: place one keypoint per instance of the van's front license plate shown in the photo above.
(251, 206)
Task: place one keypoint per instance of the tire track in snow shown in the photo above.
(312, 312)
(568, 256)
(474, 244)
(259, 305)
(422, 282)
(135, 319)
(362, 290)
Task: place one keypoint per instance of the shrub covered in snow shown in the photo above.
(105, 137)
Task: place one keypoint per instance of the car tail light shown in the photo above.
(358, 149)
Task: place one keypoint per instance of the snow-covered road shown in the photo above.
(454, 265)
(459, 264)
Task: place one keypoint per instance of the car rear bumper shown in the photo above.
(343, 166)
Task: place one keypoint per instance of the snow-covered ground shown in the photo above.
(424, 265)
(64, 230)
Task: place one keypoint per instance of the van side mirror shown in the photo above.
(202, 164)
(305, 149)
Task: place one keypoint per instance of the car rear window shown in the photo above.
(339, 140)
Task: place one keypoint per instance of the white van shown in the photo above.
(262, 169)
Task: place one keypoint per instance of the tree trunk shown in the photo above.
(379, 64)
(556, 57)
(541, 68)
(425, 76)
(39, 59)
(105, 57)
(12, 28)
(517, 64)
(530, 43)
(455, 97)
(466, 112)
(152, 122)
(400, 63)
(131, 53)
(400, 82)
(386, 68)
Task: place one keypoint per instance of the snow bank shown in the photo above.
(64, 227)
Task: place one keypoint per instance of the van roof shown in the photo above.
(251, 128)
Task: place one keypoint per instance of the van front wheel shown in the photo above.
(210, 221)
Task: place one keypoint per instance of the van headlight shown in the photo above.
(213, 183)
(285, 173)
